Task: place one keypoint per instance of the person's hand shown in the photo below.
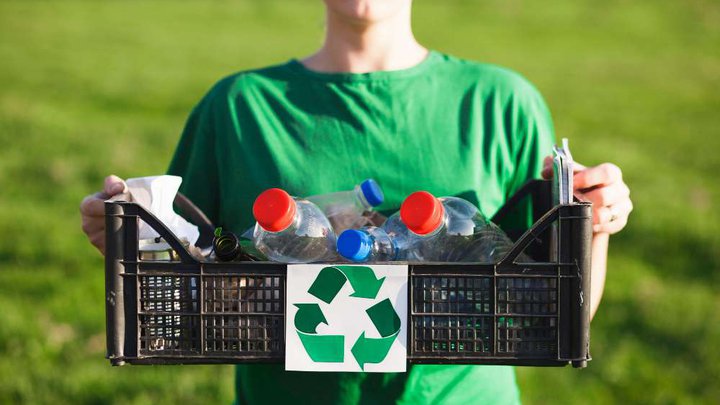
(604, 187)
(92, 210)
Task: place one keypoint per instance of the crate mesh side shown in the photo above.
(455, 316)
(466, 295)
(243, 314)
(452, 315)
(527, 322)
(444, 334)
(527, 336)
(168, 315)
(526, 295)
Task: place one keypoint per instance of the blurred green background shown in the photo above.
(98, 87)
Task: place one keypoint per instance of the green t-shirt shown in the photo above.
(448, 126)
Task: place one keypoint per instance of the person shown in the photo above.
(374, 103)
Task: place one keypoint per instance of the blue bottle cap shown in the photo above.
(354, 245)
(372, 192)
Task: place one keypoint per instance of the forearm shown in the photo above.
(598, 269)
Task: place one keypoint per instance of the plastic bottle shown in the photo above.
(370, 244)
(450, 229)
(345, 209)
(291, 230)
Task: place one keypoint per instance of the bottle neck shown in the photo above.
(396, 249)
(437, 230)
(384, 244)
(360, 199)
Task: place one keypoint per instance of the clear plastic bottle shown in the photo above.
(345, 209)
(371, 244)
(291, 230)
(405, 239)
(450, 229)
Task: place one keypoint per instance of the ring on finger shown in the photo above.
(613, 215)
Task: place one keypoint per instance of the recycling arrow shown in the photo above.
(324, 348)
(308, 317)
(387, 322)
(331, 279)
(320, 348)
(331, 348)
(367, 350)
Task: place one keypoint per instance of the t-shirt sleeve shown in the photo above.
(195, 160)
(533, 137)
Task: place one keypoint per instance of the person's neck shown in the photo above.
(361, 47)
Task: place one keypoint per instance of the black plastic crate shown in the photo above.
(186, 311)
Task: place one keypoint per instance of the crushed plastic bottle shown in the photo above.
(291, 230)
(370, 244)
(347, 209)
(449, 229)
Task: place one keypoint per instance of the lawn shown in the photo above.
(92, 88)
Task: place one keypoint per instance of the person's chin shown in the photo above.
(365, 11)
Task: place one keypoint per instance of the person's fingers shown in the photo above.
(611, 227)
(93, 205)
(603, 174)
(618, 219)
(93, 224)
(547, 170)
(114, 185)
(606, 214)
(601, 215)
(623, 208)
(92, 210)
(603, 186)
(98, 240)
(607, 195)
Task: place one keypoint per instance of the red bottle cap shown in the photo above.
(274, 210)
(421, 212)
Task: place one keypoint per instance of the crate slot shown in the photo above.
(243, 314)
(525, 295)
(527, 336)
(234, 334)
(452, 295)
(438, 335)
(168, 315)
(169, 335)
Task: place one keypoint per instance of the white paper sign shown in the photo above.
(346, 318)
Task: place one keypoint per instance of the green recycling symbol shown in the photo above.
(331, 348)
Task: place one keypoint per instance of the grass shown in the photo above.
(90, 88)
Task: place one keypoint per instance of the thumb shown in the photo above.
(114, 185)
(547, 171)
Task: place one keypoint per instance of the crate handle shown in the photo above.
(531, 235)
(133, 209)
(197, 217)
